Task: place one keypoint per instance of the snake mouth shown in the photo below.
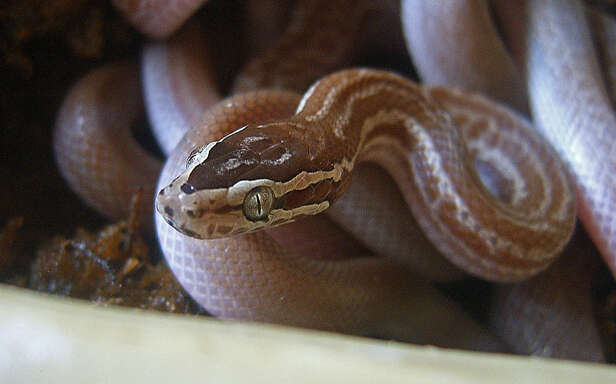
(182, 230)
(168, 207)
(170, 215)
(195, 216)
(186, 231)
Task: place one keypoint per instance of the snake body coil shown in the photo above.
(267, 174)
(489, 194)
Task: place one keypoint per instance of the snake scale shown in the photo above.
(486, 190)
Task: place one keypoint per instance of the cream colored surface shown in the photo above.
(49, 340)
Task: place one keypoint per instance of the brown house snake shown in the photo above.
(295, 306)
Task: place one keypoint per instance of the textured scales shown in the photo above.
(537, 319)
(385, 118)
(252, 277)
(248, 277)
(572, 108)
(92, 141)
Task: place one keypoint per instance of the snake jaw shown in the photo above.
(198, 214)
(222, 212)
(246, 206)
(249, 180)
(215, 213)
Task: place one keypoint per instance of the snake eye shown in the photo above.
(193, 154)
(258, 203)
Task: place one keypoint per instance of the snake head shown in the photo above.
(252, 179)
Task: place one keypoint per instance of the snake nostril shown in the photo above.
(169, 211)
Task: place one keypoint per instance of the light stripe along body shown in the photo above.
(505, 222)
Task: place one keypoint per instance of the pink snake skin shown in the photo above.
(173, 98)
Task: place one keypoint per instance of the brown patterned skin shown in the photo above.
(253, 277)
(404, 308)
(178, 85)
(385, 225)
(378, 116)
(565, 54)
(553, 47)
(180, 247)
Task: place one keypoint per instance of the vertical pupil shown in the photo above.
(258, 203)
(259, 208)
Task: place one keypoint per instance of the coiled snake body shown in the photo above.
(269, 174)
(487, 192)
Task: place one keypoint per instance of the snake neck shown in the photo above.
(352, 115)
